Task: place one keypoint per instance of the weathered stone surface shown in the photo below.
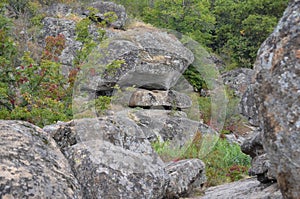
(65, 11)
(260, 164)
(248, 188)
(31, 164)
(277, 90)
(238, 80)
(249, 106)
(253, 145)
(159, 99)
(185, 175)
(152, 59)
(164, 125)
(105, 7)
(54, 27)
(111, 158)
(109, 171)
(119, 131)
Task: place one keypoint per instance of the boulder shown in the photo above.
(111, 158)
(151, 59)
(109, 171)
(185, 175)
(247, 188)
(120, 131)
(159, 99)
(31, 164)
(164, 125)
(260, 164)
(276, 94)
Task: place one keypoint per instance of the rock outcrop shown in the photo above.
(32, 165)
(275, 97)
(62, 19)
(127, 155)
(151, 59)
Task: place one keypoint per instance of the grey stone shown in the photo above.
(109, 171)
(247, 188)
(260, 167)
(276, 94)
(159, 99)
(152, 59)
(234, 139)
(164, 125)
(185, 175)
(31, 164)
(253, 145)
(119, 131)
(238, 80)
(249, 106)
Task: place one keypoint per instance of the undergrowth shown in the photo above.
(224, 163)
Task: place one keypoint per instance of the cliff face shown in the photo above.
(276, 96)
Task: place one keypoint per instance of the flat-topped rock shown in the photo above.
(151, 59)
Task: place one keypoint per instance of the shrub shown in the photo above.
(225, 163)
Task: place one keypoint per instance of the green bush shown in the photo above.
(225, 163)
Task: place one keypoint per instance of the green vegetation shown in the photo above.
(233, 29)
(225, 163)
(32, 87)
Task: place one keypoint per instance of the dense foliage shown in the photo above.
(232, 29)
(32, 86)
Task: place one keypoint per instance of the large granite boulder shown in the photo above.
(150, 59)
(185, 175)
(111, 158)
(277, 99)
(109, 171)
(113, 153)
(31, 164)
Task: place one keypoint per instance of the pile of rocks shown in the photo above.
(109, 156)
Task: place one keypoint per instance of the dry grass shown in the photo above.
(135, 24)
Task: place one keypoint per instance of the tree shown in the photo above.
(241, 27)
